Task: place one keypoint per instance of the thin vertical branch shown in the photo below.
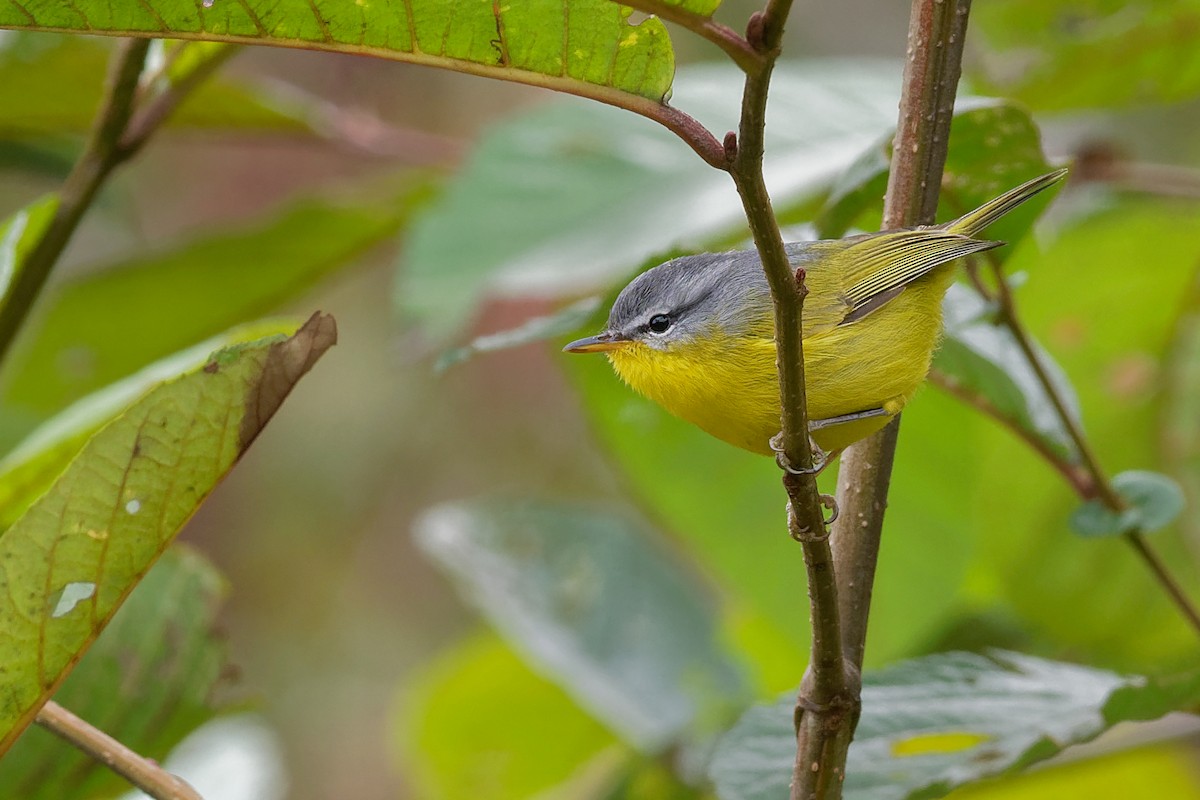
(99, 157)
(828, 706)
(141, 772)
(937, 29)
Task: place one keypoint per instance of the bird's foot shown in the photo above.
(820, 459)
(804, 534)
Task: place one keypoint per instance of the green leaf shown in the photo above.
(566, 198)
(101, 327)
(69, 562)
(51, 85)
(994, 146)
(593, 603)
(980, 357)
(1070, 54)
(32, 466)
(934, 723)
(588, 48)
(464, 736)
(148, 681)
(1153, 500)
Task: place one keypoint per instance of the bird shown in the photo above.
(696, 334)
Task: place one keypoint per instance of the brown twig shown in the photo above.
(141, 772)
(936, 32)
(1103, 163)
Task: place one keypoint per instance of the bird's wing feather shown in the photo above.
(880, 264)
(849, 278)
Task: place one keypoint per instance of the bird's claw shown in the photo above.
(820, 457)
(830, 502)
(806, 535)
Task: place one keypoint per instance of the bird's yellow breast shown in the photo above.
(729, 387)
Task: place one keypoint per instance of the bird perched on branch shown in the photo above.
(697, 334)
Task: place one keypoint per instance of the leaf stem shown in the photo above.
(724, 37)
(100, 155)
(149, 116)
(685, 127)
(936, 34)
(141, 772)
(1073, 473)
(1099, 487)
(1171, 586)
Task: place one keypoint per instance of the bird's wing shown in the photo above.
(876, 265)
(849, 278)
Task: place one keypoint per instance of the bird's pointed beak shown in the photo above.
(601, 342)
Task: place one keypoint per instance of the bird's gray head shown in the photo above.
(684, 299)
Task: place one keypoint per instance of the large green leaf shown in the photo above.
(51, 85)
(593, 603)
(570, 196)
(1061, 54)
(149, 679)
(994, 146)
(31, 467)
(588, 47)
(115, 320)
(480, 725)
(70, 561)
(931, 724)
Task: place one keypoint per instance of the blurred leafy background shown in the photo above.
(425, 208)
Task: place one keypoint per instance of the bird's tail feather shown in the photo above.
(976, 221)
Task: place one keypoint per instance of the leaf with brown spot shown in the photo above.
(286, 363)
(70, 561)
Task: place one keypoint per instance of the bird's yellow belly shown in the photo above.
(729, 386)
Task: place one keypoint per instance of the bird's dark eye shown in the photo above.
(659, 323)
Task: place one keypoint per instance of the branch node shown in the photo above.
(802, 282)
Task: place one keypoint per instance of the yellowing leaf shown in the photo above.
(121, 501)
